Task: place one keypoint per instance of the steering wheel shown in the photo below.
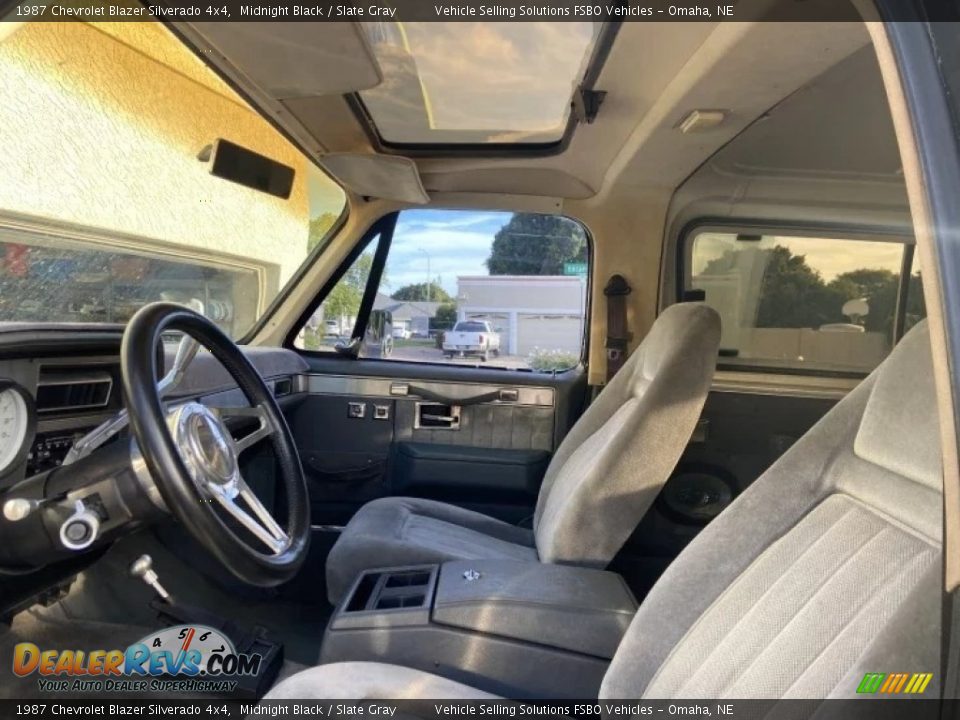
(193, 456)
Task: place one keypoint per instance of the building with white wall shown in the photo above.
(543, 312)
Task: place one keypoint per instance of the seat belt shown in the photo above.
(618, 336)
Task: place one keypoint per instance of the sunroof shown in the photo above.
(476, 83)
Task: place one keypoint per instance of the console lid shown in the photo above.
(578, 609)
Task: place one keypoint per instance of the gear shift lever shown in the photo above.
(171, 613)
(142, 568)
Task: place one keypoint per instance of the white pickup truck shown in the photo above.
(471, 337)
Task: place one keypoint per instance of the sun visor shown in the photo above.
(296, 60)
(388, 177)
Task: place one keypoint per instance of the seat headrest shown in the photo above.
(681, 333)
(900, 430)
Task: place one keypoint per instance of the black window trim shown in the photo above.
(382, 232)
(373, 286)
(281, 297)
(864, 233)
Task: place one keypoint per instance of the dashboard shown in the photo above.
(48, 403)
(56, 385)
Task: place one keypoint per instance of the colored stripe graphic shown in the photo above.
(871, 682)
(894, 683)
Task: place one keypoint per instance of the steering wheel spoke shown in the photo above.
(263, 431)
(254, 517)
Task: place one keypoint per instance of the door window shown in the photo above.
(467, 287)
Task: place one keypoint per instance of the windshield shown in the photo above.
(469, 327)
(131, 173)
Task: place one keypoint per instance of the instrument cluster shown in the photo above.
(18, 419)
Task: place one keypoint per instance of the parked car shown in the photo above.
(472, 337)
(401, 333)
(332, 327)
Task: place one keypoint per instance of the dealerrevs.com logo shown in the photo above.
(185, 658)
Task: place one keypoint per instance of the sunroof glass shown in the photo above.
(476, 83)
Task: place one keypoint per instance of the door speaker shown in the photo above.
(696, 496)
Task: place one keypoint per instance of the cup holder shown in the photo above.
(401, 589)
(408, 579)
(399, 601)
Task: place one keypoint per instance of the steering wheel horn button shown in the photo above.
(206, 445)
(212, 447)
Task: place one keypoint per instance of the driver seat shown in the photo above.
(600, 483)
(826, 568)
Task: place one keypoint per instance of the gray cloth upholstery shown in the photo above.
(391, 532)
(827, 567)
(600, 483)
(805, 573)
(371, 681)
(613, 463)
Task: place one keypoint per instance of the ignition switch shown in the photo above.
(79, 531)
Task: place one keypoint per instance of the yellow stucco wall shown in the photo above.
(100, 125)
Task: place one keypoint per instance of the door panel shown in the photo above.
(469, 475)
(345, 459)
(740, 435)
(367, 434)
(493, 425)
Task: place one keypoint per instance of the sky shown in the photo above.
(456, 241)
(831, 257)
(499, 80)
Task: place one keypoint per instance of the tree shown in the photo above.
(445, 318)
(343, 302)
(793, 294)
(422, 291)
(531, 244)
(879, 288)
(916, 309)
(319, 228)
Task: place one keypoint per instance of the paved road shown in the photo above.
(429, 353)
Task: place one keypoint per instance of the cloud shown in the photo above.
(486, 77)
(457, 242)
(830, 257)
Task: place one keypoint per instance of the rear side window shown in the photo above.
(469, 327)
(803, 303)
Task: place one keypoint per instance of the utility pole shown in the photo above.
(429, 279)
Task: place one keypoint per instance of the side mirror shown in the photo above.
(347, 347)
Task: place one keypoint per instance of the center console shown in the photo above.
(518, 629)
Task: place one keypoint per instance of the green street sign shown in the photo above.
(575, 268)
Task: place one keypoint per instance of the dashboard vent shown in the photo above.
(73, 389)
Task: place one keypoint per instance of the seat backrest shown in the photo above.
(824, 569)
(611, 466)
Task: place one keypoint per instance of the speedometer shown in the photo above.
(16, 423)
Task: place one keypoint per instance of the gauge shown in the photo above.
(16, 423)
